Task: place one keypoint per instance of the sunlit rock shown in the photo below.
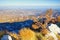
(54, 28)
(51, 34)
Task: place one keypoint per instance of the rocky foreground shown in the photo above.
(42, 27)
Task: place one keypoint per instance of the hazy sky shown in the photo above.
(30, 3)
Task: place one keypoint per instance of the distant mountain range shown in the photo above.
(25, 12)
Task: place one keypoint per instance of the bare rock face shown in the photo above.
(54, 28)
(6, 37)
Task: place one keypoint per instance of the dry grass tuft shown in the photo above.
(27, 34)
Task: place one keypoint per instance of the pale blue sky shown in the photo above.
(30, 3)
